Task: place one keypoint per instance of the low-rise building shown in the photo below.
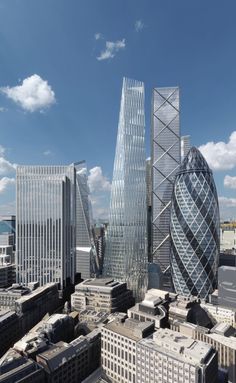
(9, 329)
(32, 307)
(8, 296)
(221, 338)
(119, 340)
(101, 294)
(220, 314)
(152, 308)
(18, 369)
(173, 358)
(71, 362)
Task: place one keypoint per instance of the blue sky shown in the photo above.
(79, 50)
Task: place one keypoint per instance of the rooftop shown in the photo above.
(178, 345)
(131, 328)
(106, 284)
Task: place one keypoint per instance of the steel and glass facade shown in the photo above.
(125, 254)
(86, 256)
(195, 228)
(46, 223)
(165, 163)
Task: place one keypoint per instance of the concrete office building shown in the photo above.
(71, 362)
(220, 314)
(119, 340)
(9, 329)
(221, 338)
(169, 357)
(46, 222)
(227, 286)
(9, 295)
(102, 294)
(7, 275)
(125, 256)
(152, 308)
(165, 163)
(18, 369)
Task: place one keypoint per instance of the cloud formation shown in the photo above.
(97, 181)
(230, 182)
(47, 153)
(2, 109)
(98, 36)
(5, 182)
(32, 95)
(112, 47)
(227, 202)
(6, 167)
(138, 25)
(220, 155)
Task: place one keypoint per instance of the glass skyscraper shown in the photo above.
(45, 224)
(125, 254)
(165, 163)
(195, 228)
(86, 257)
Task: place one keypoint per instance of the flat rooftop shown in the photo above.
(131, 328)
(107, 283)
(178, 345)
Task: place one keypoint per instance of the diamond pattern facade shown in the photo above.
(194, 228)
(165, 164)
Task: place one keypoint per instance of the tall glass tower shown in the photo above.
(45, 224)
(165, 163)
(195, 228)
(125, 254)
(86, 257)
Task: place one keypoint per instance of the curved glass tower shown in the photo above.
(194, 228)
(125, 254)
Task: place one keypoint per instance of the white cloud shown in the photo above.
(5, 182)
(98, 36)
(112, 47)
(2, 109)
(230, 182)
(227, 202)
(97, 181)
(6, 166)
(33, 94)
(227, 208)
(220, 155)
(138, 25)
(47, 153)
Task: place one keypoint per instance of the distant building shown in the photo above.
(185, 146)
(18, 369)
(169, 357)
(8, 226)
(152, 308)
(101, 294)
(119, 341)
(227, 286)
(228, 236)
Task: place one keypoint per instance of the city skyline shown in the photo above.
(75, 96)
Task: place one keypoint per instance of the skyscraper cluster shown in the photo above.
(163, 217)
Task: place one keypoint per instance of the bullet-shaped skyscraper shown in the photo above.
(125, 254)
(195, 228)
